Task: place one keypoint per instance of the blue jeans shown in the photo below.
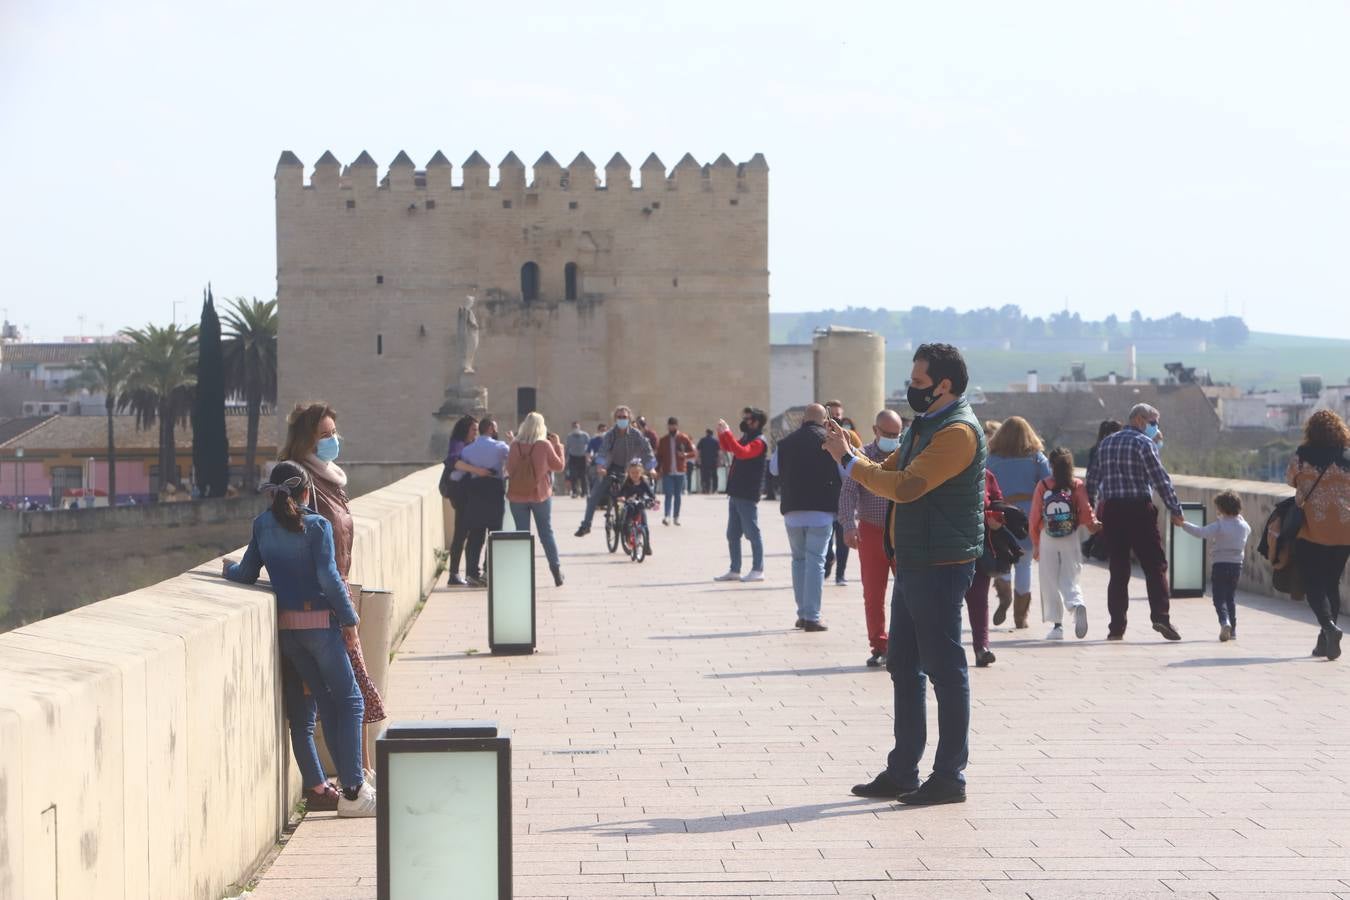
(925, 643)
(1223, 579)
(543, 525)
(672, 486)
(808, 567)
(319, 658)
(743, 519)
(598, 495)
(1020, 576)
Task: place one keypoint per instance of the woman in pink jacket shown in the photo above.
(535, 455)
(1059, 507)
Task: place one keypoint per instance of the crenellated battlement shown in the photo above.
(362, 174)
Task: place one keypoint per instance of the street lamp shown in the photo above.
(1186, 555)
(443, 811)
(510, 565)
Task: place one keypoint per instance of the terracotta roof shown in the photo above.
(1189, 419)
(33, 354)
(12, 428)
(91, 432)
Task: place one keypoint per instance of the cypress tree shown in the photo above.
(210, 441)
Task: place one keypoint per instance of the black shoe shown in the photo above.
(476, 581)
(647, 549)
(935, 791)
(1001, 614)
(881, 788)
(808, 625)
(582, 531)
(1116, 636)
(876, 661)
(1166, 630)
(557, 576)
(456, 580)
(801, 623)
(1333, 642)
(1320, 648)
(984, 658)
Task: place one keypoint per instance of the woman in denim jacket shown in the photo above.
(317, 625)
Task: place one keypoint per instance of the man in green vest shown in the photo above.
(935, 481)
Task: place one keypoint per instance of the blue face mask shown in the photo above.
(327, 448)
(621, 424)
(888, 444)
(1151, 431)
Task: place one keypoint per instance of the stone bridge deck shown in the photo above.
(678, 738)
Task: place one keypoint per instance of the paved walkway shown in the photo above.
(678, 738)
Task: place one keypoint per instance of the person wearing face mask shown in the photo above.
(862, 515)
(744, 480)
(1128, 468)
(312, 441)
(673, 453)
(935, 482)
(621, 443)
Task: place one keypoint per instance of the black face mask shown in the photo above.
(921, 399)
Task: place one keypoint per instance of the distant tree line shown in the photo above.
(922, 323)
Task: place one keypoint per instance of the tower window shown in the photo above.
(379, 279)
(570, 281)
(571, 204)
(431, 204)
(379, 345)
(351, 204)
(506, 204)
(529, 282)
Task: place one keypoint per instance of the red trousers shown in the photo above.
(977, 610)
(876, 572)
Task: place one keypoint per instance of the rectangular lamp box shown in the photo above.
(1186, 575)
(443, 826)
(510, 571)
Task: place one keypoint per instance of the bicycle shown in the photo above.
(612, 536)
(635, 534)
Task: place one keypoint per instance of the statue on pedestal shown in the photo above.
(464, 396)
(467, 336)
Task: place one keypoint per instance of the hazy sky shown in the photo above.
(1162, 156)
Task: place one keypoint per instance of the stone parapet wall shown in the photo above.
(142, 747)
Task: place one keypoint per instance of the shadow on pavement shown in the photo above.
(738, 821)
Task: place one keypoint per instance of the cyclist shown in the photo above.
(622, 442)
(636, 494)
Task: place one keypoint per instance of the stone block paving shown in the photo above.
(674, 737)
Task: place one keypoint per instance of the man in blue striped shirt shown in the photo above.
(1128, 470)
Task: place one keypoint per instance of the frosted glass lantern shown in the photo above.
(1186, 555)
(443, 826)
(510, 574)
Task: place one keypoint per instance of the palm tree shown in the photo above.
(161, 385)
(251, 364)
(108, 370)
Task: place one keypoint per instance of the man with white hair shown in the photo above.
(810, 482)
(1128, 469)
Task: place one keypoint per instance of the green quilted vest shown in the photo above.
(946, 525)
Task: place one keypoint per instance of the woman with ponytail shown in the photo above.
(317, 623)
(313, 442)
(1059, 508)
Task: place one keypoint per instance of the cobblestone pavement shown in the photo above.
(679, 738)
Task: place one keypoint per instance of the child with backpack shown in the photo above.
(1228, 534)
(1059, 508)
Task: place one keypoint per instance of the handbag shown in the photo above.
(1292, 522)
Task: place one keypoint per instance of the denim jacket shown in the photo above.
(303, 567)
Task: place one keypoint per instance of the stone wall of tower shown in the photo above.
(670, 315)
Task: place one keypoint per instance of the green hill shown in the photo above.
(1265, 362)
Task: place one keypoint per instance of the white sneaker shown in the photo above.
(369, 775)
(1080, 622)
(1056, 633)
(363, 807)
(728, 576)
(753, 575)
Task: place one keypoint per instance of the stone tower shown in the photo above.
(589, 293)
